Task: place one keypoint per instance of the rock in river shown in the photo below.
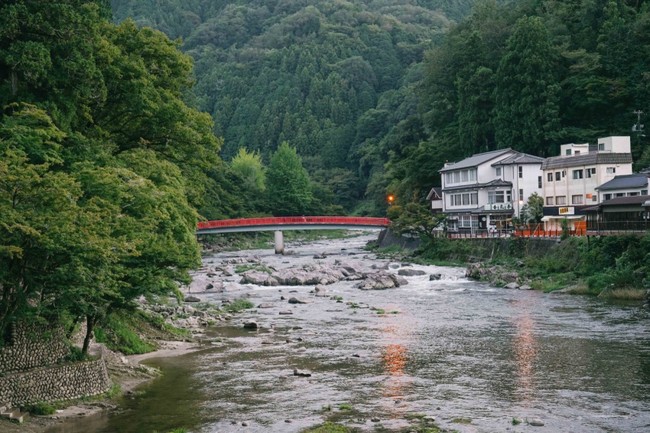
(380, 281)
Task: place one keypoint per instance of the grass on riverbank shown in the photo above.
(614, 267)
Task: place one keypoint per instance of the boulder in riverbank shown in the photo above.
(380, 281)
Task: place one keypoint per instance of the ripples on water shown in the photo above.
(450, 348)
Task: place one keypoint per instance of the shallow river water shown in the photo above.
(471, 355)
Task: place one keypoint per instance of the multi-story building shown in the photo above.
(570, 181)
(484, 191)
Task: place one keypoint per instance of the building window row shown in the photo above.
(463, 199)
(499, 197)
(625, 194)
(460, 176)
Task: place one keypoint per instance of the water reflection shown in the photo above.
(525, 347)
(394, 359)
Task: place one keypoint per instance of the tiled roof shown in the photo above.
(475, 160)
(587, 159)
(520, 158)
(435, 193)
(625, 182)
(496, 183)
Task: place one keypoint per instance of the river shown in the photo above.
(470, 355)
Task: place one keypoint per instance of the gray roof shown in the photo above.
(435, 193)
(586, 159)
(626, 181)
(496, 183)
(520, 158)
(476, 160)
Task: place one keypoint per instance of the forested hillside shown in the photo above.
(376, 95)
(333, 78)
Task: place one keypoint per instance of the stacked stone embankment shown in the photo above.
(33, 368)
(61, 382)
(31, 347)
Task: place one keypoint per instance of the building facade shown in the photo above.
(483, 192)
(571, 180)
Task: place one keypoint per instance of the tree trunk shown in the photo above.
(14, 83)
(90, 324)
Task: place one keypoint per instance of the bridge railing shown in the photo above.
(294, 220)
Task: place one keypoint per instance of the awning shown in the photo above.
(561, 217)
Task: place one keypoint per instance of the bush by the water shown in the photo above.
(602, 264)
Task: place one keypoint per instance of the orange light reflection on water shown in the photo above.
(525, 348)
(394, 358)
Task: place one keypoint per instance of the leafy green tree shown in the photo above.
(248, 165)
(533, 210)
(288, 187)
(526, 112)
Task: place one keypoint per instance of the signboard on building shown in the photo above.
(566, 211)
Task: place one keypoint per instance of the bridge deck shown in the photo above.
(291, 223)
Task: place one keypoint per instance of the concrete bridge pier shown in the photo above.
(279, 242)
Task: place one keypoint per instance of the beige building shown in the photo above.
(570, 181)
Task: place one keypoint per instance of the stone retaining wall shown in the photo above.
(31, 347)
(61, 382)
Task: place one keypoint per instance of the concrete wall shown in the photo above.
(61, 382)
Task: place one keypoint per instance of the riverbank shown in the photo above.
(127, 373)
(614, 267)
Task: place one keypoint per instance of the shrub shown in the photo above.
(40, 408)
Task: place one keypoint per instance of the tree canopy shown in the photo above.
(102, 163)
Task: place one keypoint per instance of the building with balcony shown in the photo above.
(571, 180)
(484, 191)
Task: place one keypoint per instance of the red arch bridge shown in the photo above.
(279, 224)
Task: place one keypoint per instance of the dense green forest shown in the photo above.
(103, 166)
(116, 137)
(376, 95)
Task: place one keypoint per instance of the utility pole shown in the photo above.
(638, 126)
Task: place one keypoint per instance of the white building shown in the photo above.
(484, 191)
(570, 181)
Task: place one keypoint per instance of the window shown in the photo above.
(498, 169)
(611, 170)
(632, 194)
(620, 194)
(549, 177)
(567, 152)
(594, 197)
(464, 199)
(607, 197)
(644, 192)
(495, 197)
(456, 176)
(560, 200)
(557, 175)
(521, 194)
(577, 174)
(472, 174)
(464, 176)
(563, 173)
(601, 146)
(521, 172)
(590, 172)
(449, 178)
(539, 181)
(549, 201)
(577, 199)
(577, 152)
